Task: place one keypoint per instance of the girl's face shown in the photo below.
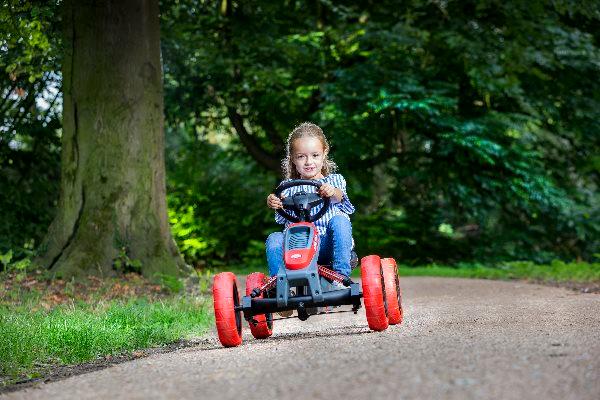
(308, 155)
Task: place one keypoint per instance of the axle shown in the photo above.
(253, 306)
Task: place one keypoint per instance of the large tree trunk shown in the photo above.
(112, 202)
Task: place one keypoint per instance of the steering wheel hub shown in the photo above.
(301, 203)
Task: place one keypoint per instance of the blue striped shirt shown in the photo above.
(342, 208)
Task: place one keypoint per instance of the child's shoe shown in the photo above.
(335, 285)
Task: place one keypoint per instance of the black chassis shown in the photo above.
(312, 289)
(302, 303)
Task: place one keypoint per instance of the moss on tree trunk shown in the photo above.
(112, 196)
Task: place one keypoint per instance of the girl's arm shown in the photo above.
(335, 194)
(339, 197)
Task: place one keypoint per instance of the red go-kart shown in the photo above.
(303, 285)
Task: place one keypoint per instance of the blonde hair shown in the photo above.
(306, 129)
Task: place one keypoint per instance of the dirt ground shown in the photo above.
(461, 339)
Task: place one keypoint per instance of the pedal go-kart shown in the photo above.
(301, 284)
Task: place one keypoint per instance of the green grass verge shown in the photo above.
(33, 341)
(557, 271)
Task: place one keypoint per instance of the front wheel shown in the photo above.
(226, 298)
(373, 287)
(392, 290)
(264, 322)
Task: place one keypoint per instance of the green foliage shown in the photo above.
(471, 116)
(123, 264)
(172, 283)
(556, 271)
(189, 231)
(253, 257)
(213, 192)
(29, 122)
(5, 258)
(18, 266)
(466, 130)
(205, 280)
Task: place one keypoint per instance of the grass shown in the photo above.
(555, 272)
(46, 326)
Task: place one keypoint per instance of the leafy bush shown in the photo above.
(466, 130)
(216, 198)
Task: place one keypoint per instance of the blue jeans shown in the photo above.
(335, 248)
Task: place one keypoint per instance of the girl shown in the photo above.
(306, 158)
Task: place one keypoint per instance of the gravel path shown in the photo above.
(461, 339)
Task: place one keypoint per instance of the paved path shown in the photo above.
(461, 339)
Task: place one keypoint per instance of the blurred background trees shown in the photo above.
(467, 130)
(30, 122)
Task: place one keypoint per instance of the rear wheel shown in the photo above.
(373, 287)
(264, 326)
(392, 290)
(226, 298)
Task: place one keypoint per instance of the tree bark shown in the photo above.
(112, 202)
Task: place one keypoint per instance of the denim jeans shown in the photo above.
(335, 248)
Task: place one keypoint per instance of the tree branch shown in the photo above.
(254, 148)
(273, 136)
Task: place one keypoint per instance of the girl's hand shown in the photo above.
(274, 202)
(327, 190)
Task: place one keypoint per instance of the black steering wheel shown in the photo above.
(301, 203)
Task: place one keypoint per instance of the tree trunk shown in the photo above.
(112, 203)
